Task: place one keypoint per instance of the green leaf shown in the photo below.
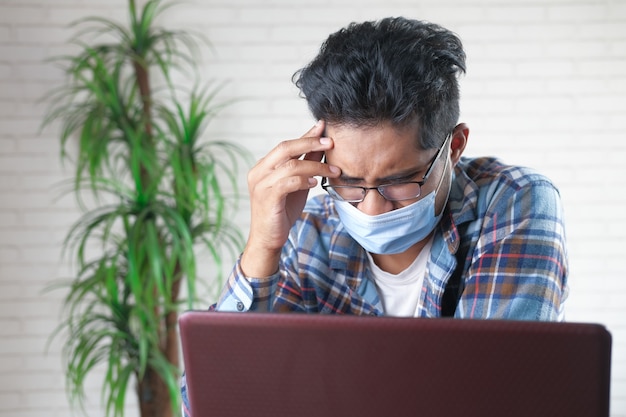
(156, 192)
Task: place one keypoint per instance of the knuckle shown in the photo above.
(253, 178)
(294, 183)
(291, 164)
(283, 146)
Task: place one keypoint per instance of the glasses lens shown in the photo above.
(404, 191)
(351, 194)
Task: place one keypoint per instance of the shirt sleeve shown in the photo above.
(519, 265)
(247, 294)
(304, 271)
(184, 396)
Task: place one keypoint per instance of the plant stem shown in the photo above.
(143, 81)
(154, 399)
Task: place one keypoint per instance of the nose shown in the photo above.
(374, 203)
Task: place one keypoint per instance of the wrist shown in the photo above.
(259, 262)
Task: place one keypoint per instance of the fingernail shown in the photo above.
(312, 182)
(325, 141)
(334, 169)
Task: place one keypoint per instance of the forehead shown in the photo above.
(371, 152)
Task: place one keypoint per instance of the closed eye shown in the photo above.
(392, 179)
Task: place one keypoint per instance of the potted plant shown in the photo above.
(159, 192)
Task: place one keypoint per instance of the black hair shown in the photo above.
(394, 70)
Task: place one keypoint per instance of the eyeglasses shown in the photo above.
(391, 192)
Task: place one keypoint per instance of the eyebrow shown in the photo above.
(397, 177)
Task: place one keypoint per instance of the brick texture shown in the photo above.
(546, 87)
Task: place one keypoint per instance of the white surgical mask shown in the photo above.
(394, 231)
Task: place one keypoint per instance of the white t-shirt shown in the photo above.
(400, 293)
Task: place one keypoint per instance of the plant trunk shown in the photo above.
(143, 81)
(170, 350)
(152, 392)
(154, 399)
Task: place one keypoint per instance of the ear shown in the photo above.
(458, 142)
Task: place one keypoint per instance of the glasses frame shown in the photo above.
(380, 188)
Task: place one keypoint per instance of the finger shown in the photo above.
(277, 186)
(319, 155)
(293, 175)
(316, 131)
(296, 148)
(289, 185)
(306, 168)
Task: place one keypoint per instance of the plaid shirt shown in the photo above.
(516, 264)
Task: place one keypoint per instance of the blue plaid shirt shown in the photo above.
(516, 268)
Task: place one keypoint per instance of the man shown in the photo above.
(406, 219)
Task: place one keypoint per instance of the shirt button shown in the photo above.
(240, 306)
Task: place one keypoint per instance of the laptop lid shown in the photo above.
(297, 365)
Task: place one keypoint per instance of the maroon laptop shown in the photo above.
(297, 365)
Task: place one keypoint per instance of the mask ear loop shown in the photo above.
(447, 153)
(323, 160)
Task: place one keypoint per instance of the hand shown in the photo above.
(279, 185)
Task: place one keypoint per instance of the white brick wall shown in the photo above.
(546, 87)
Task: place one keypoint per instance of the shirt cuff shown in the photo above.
(247, 293)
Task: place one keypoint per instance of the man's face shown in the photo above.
(373, 156)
